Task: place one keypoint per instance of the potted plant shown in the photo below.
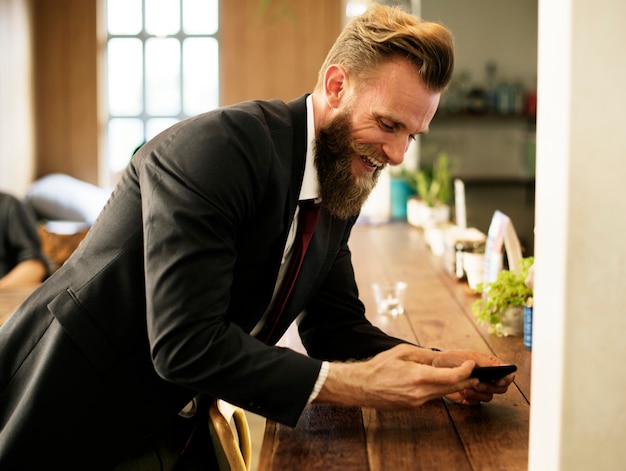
(430, 206)
(503, 300)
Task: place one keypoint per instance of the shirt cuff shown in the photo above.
(321, 379)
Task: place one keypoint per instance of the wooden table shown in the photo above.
(439, 435)
(11, 298)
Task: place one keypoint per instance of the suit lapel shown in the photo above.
(297, 109)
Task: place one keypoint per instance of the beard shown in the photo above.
(343, 193)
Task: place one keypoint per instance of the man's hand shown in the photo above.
(400, 377)
(482, 392)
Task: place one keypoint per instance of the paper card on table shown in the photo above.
(459, 203)
(501, 237)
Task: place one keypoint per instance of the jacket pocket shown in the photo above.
(83, 331)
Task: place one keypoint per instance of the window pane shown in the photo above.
(156, 73)
(200, 16)
(124, 16)
(123, 137)
(155, 125)
(163, 76)
(200, 75)
(355, 8)
(124, 58)
(162, 17)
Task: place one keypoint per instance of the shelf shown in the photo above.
(443, 117)
(498, 181)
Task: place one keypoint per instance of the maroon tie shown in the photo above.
(307, 219)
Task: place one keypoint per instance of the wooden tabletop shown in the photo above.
(11, 298)
(438, 435)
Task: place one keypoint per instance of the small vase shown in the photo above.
(419, 214)
(511, 322)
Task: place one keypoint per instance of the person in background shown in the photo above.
(173, 295)
(21, 259)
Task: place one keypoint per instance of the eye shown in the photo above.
(412, 137)
(386, 126)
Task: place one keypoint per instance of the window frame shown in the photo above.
(144, 116)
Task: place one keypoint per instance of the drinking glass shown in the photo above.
(389, 297)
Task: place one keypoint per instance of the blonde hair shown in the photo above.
(383, 33)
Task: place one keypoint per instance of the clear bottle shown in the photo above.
(504, 99)
(491, 70)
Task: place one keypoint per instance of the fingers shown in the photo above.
(483, 391)
(467, 398)
(480, 392)
(500, 383)
(454, 380)
(413, 353)
(471, 396)
(497, 387)
(397, 379)
(451, 358)
(405, 376)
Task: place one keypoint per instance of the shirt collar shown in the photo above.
(310, 182)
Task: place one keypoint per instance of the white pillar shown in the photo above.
(578, 404)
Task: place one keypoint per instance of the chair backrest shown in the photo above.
(233, 450)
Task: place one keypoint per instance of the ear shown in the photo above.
(335, 84)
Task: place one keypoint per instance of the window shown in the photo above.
(161, 66)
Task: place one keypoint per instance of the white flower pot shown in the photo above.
(419, 214)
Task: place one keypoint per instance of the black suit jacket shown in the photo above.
(157, 302)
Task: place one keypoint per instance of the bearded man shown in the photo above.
(175, 293)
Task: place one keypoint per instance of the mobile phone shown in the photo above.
(492, 373)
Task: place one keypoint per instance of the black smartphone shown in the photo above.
(492, 373)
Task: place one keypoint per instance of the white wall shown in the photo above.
(16, 118)
(504, 31)
(578, 412)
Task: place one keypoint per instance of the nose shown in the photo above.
(396, 148)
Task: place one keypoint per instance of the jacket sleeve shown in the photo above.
(334, 326)
(199, 187)
(21, 233)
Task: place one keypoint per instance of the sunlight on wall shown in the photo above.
(16, 118)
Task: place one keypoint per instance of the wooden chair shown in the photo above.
(233, 450)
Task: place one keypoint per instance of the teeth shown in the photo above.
(374, 162)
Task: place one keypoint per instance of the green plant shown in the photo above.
(434, 186)
(509, 289)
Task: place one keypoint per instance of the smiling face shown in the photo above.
(369, 124)
(389, 109)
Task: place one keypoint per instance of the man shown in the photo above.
(172, 294)
(21, 260)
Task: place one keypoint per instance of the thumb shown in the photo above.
(465, 370)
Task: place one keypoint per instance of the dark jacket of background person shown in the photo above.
(19, 240)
